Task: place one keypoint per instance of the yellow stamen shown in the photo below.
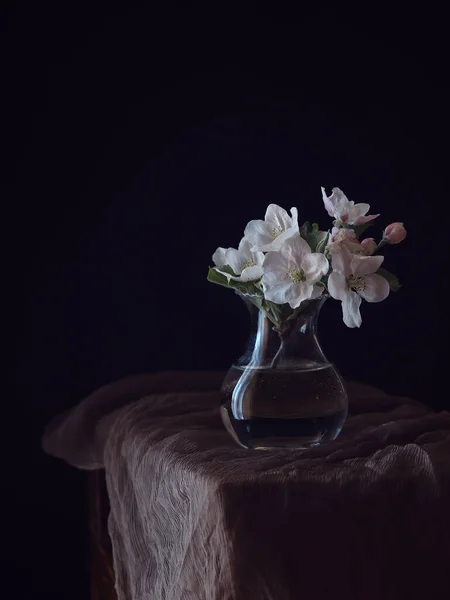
(247, 263)
(276, 231)
(357, 284)
(297, 276)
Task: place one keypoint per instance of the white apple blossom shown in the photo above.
(353, 278)
(345, 237)
(345, 210)
(291, 275)
(244, 262)
(277, 227)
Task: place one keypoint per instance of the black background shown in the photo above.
(138, 140)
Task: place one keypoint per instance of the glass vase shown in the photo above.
(283, 392)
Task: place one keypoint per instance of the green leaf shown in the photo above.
(228, 269)
(258, 301)
(305, 229)
(275, 309)
(392, 279)
(312, 241)
(322, 244)
(248, 288)
(360, 229)
(245, 287)
(309, 233)
(216, 277)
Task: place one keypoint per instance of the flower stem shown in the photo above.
(277, 356)
(380, 245)
(270, 316)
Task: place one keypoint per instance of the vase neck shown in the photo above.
(296, 347)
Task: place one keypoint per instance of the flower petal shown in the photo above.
(276, 263)
(341, 204)
(257, 257)
(361, 220)
(258, 233)
(359, 210)
(315, 266)
(339, 234)
(337, 285)
(298, 292)
(219, 257)
(364, 265)
(278, 217)
(252, 273)
(294, 218)
(350, 309)
(278, 292)
(340, 259)
(328, 202)
(333, 233)
(278, 243)
(295, 249)
(245, 248)
(376, 289)
(235, 260)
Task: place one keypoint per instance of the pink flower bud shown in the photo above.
(368, 246)
(394, 233)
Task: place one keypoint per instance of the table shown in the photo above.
(193, 516)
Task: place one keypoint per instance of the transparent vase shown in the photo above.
(283, 392)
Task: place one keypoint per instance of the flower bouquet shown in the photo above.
(285, 271)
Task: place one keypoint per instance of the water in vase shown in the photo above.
(296, 407)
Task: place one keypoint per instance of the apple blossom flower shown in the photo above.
(346, 237)
(353, 277)
(368, 246)
(277, 227)
(394, 233)
(291, 275)
(244, 262)
(345, 210)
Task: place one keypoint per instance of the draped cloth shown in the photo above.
(195, 517)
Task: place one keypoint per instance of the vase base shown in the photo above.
(302, 445)
(263, 433)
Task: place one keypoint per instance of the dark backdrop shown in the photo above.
(136, 142)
